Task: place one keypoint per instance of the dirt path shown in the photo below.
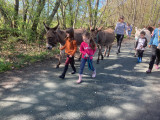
(121, 91)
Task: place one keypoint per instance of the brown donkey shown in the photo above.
(103, 38)
(55, 36)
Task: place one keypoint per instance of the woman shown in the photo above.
(155, 44)
(120, 29)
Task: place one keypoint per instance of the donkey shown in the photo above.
(55, 36)
(103, 38)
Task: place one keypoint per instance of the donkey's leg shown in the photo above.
(80, 55)
(109, 50)
(101, 53)
(106, 47)
(59, 61)
(98, 54)
(59, 58)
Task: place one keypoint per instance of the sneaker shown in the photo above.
(80, 79)
(156, 66)
(73, 72)
(62, 76)
(94, 74)
(148, 71)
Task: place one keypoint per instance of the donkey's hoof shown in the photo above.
(79, 59)
(97, 62)
(107, 55)
(57, 66)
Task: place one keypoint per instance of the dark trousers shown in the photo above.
(155, 54)
(82, 65)
(140, 53)
(119, 41)
(69, 60)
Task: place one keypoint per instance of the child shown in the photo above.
(155, 43)
(70, 49)
(140, 45)
(129, 28)
(87, 48)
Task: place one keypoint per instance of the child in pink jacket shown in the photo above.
(87, 48)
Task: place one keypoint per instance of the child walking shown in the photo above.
(155, 43)
(70, 49)
(140, 46)
(87, 48)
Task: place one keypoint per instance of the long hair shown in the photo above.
(92, 43)
(70, 31)
(121, 17)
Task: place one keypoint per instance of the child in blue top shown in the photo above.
(155, 43)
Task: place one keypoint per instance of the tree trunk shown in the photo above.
(90, 13)
(95, 14)
(76, 13)
(135, 12)
(71, 12)
(63, 11)
(25, 10)
(16, 8)
(155, 7)
(39, 9)
(50, 18)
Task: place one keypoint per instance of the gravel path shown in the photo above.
(121, 91)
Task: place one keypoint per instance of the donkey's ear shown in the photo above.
(55, 28)
(91, 29)
(100, 28)
(46, 27)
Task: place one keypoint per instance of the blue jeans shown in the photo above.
(82, 65)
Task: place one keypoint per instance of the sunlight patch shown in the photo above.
(70, 115)
(50, 85)
(113, 67)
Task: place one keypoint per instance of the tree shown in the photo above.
(16, 8)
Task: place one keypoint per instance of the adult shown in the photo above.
(120, 29)
(129, 29)
(155, 43)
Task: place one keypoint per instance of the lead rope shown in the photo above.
(90, 67)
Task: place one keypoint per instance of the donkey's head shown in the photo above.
(51, 36)
(94, 32)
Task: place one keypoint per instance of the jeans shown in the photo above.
(82, 65)
(140, 53)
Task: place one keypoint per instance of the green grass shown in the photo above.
(23, 60)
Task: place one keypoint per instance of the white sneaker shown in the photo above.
(94, 74)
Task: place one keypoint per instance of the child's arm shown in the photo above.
(75, 47)
(82, 50)
(136, 44)
(145, 43)
(63, 47)
(151, 41)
